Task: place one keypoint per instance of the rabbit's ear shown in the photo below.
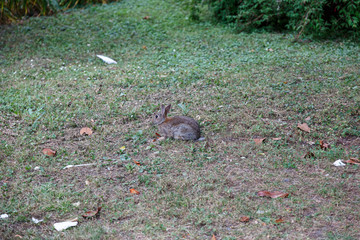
(162, 109)
(167, 109)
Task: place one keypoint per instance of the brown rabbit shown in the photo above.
(178, 127)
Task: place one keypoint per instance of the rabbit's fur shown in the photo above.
(178, 127)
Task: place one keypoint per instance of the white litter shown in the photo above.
(106, 59)
(339, 163)
(3, 216)
(80, 165)
(37, 168)
(64, 225)
(36, 220)
(76, 204)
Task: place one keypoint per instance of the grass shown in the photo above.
(238, 86)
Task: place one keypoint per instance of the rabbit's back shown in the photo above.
(181, 127)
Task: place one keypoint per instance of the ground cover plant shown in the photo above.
(275, 115)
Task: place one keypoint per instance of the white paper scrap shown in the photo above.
(36, 220)
(106, 59)
(339, 163)
(64, 225)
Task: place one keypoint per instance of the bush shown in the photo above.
(12, 10)
(311, 17)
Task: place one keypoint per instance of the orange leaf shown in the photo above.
(136, 162)
(49, 152)
(86, 131)
(213, 237)
(276, 139)
(274, 194)
(323, 145)
(279, 220)
(134, 191)
(244, 219)
(258, 140)
(144, 47)
(157, 134)
(304, 127)
(90, 214)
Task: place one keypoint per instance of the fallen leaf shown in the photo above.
(144, 47)
(106, 59)
(86, 131)
(274, 194)
(276, 139)
(323, 145)
(122, 148)
(213, 237)
(355, 159)
(308, 155)
(64, 225)
(137, 163)
(244, 219)
(134, 191)
(258, 140)
(157, 134)
(279, 220)
(304, 127)
(308, 118)
(339, 163)
(18, 236)
(49, 152)
(146, 17)
(91, 213)
(269, 49)
(285, 82)
(352, 162)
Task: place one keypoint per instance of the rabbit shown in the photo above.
(178, 127)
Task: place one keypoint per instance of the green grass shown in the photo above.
(52, 84)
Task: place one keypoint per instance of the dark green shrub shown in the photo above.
(312, 17)
(12, 10)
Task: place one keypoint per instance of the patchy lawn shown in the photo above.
(239, 87)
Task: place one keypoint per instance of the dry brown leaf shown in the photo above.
(276, 139)
(144, 47)
(323, 145)
(274, 194)
(280, 220)
(146, 17)
(355, 160)
(134, 191)
(304, 127)
(137, 163)
(213, 237)
(308, 118)
(49, 152)
(86, 131)
(18, 236)
(244, 219)
(351, 162)
(258, 140)
(91, 213)
(308, 155)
